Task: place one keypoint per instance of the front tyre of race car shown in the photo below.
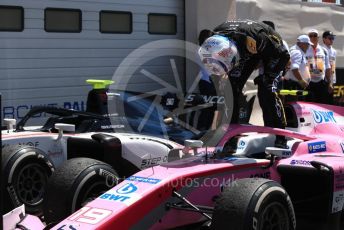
(25, 172)
(74, 184)
(254, 204)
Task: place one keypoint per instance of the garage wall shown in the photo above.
(40, 68)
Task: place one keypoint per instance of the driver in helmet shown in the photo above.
(236, 50)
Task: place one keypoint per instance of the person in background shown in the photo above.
(328, 38)
(236, 50)
(298, 76)
(206, 88)
(320, 69)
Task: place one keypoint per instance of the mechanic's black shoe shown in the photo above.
(281, 142)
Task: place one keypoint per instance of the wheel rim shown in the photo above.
(31, 182)
(92, 192)
(274, 217)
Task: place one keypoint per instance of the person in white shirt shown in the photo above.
(328, 38)
(298, 76)
(320, 69)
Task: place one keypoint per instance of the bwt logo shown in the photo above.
(241, 145)
(122, 194)
(126, 189)
(323, 116)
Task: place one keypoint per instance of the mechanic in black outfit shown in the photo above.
(249, 42)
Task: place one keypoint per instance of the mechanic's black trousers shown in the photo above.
(271, 104)
(272, 107)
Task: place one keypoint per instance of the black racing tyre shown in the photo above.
(74, 184)
(25, 172)
(253, 204)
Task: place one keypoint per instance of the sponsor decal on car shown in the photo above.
(342, 145)
(114, 197)
(325, 155)
(286, 153)
(231, 159)
(323, 116)
(112, 126)
(153, 161)
(300, 162)
(266, 175)
(241, 145)
(127, 188)
(125, 194)
(209, 152)
(301, 110)
(30, 143)
(306, 124)
(89, 215)
(317, 147)
(143, 179)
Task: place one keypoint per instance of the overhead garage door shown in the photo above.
(46, 58)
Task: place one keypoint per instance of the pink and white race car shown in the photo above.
(30, 154)
(241, 183)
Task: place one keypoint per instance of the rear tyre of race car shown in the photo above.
(253, 204)
(74, 184)
(25, 173)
